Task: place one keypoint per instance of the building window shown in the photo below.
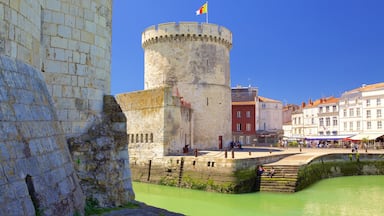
(312, 121)
(351, 126)
(327, 121)
(327, 109)
(248, 114)
(351, 112)
(248, 127)
(321, 122)
(358, 125)
(320, 109)
(132, 138)
(141, 138)
(151, 137)
(238, 127)
(345, 112)
(368, 113)
(358, 112)
(334, 108)
(369, 125)
(379, 125)
(263, 105)
(378, 113)
(146, 138)
(334, 121)
(368, 102)
(345, 126)
(378, 101)
(238, 114)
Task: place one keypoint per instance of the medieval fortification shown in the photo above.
(186, 103)
(62, 137)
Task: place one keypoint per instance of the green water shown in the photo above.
(343, 196)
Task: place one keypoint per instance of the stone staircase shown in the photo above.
(284, 179)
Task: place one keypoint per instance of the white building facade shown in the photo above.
(356, 115)
(361, 111)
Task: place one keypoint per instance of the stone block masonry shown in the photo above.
(37, 173)
(194, 58)
(75, 58)
(101, 158)
(55, 71)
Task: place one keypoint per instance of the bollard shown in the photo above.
(233, 153)
(195, 152)
(249, 153)
(225, 154)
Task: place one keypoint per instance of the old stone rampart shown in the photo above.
(55, 61)
(194, 58)
(224, 175)
(37, 175)
(336, 165)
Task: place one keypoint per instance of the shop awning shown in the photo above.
(369, 136)
(330, 137)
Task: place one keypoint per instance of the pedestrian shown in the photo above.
(260, 170)
(271, 172)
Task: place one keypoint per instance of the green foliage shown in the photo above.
(92, 207)
(293, 144)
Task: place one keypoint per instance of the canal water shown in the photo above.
(342, 196)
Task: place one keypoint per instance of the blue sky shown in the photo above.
(291, 50)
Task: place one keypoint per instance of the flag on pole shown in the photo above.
(203, 9)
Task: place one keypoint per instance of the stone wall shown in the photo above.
(194, 58)
(37, 171)
(101, 158)
(76, 58)
(55, 71)
(159, 123)
(336, 165)
(226, 175)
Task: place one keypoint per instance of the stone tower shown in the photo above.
(75, 48)
(194, 58)
(54, 84)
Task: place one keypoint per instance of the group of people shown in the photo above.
(261, 171)
(236, 144)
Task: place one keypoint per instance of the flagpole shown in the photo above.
(206, 15)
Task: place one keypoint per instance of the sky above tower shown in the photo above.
(291, 50)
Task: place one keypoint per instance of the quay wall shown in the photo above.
(337, 165)
(226, 175)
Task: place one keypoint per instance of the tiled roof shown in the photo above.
(243, 103)
(369, 87)
(264, 99)
(317, 102)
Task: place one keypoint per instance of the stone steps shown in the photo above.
(283, 180)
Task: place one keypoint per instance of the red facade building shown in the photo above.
(244, 115)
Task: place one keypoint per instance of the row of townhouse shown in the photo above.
(356, 115)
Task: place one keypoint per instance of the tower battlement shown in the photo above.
(187, 30)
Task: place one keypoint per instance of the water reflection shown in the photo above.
(344, 196)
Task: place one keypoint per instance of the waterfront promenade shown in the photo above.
(295, 157)
(301, 157)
